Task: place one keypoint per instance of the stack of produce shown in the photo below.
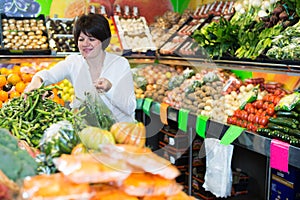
(166, 25)
(27, 117)
(118, 171)
(285, 126)
(286, 45)
(15, 165)
(151, 80)
(254, 24)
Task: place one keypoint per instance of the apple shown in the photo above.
(148, 8)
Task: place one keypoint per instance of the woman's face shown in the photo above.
(89, 46)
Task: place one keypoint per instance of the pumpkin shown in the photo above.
(91, 137)
(78, 149)
(129, 133)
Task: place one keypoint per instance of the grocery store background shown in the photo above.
(147, 8)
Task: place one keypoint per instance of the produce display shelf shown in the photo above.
(247, 139)
(284, 67)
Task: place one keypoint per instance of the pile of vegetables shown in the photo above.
(285, 126)
(286, 46)
(250, 32)
(28, 116)
(15, 163)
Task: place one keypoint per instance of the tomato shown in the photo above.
(252, 110)
(276, 100)
(248, 106)
(256, 119)
(271, 98)
(265, 105)
(263, 121)
(251, 117)
(239, 122)
(254, 128)
(270, 111)
(244, 124)
(234, 119)
(259, 104)
(244, 115)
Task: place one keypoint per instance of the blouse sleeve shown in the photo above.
(56, 73)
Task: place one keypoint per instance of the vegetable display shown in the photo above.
(27, 117)
(11, 155)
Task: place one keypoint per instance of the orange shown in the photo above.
(13, 79)
(16, 69)
(0, 104)
(20, 86)
(3, 96)
(4, 71)
(14, 94)
(26, 77)
(2, 80)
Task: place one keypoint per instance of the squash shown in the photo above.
(78, 149)
(91, 137)
(133, 133)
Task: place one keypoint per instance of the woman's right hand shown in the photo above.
(35, 83)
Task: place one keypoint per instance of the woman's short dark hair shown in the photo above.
(94, 25)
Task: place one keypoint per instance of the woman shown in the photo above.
(94, 69)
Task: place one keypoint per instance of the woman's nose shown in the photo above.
(86, 42)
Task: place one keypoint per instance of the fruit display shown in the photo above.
(66, 91)
(60, 33)
(24, 34)
(133, 32)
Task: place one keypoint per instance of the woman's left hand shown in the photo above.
(103, 85)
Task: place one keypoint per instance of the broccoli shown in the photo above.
(15, 162)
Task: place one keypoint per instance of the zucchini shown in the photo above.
(294, 132)
(291, 114)
(283, 122)
(274, 126)
(263, 131)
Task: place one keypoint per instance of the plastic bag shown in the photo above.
(95, 112)
(218, 176)
(60, 138)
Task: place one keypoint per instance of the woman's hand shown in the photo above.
(103, 85)
(35, 83)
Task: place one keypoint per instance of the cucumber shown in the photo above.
(291, 114)
(274, 126)
(283, 122)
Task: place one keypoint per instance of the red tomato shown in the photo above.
(251, 117)
(259, 104)
(276, 100)
(270, 111)
(248, 106)
(244, 115)
(256, 119)
(265, 105)
(263, 121)
(244, 124)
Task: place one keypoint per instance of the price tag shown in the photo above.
(279, 155)
(147, 106)
(164, 113)
(201, 125)
(231, 134)
(183, 119)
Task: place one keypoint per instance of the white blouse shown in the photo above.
(120, 99)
